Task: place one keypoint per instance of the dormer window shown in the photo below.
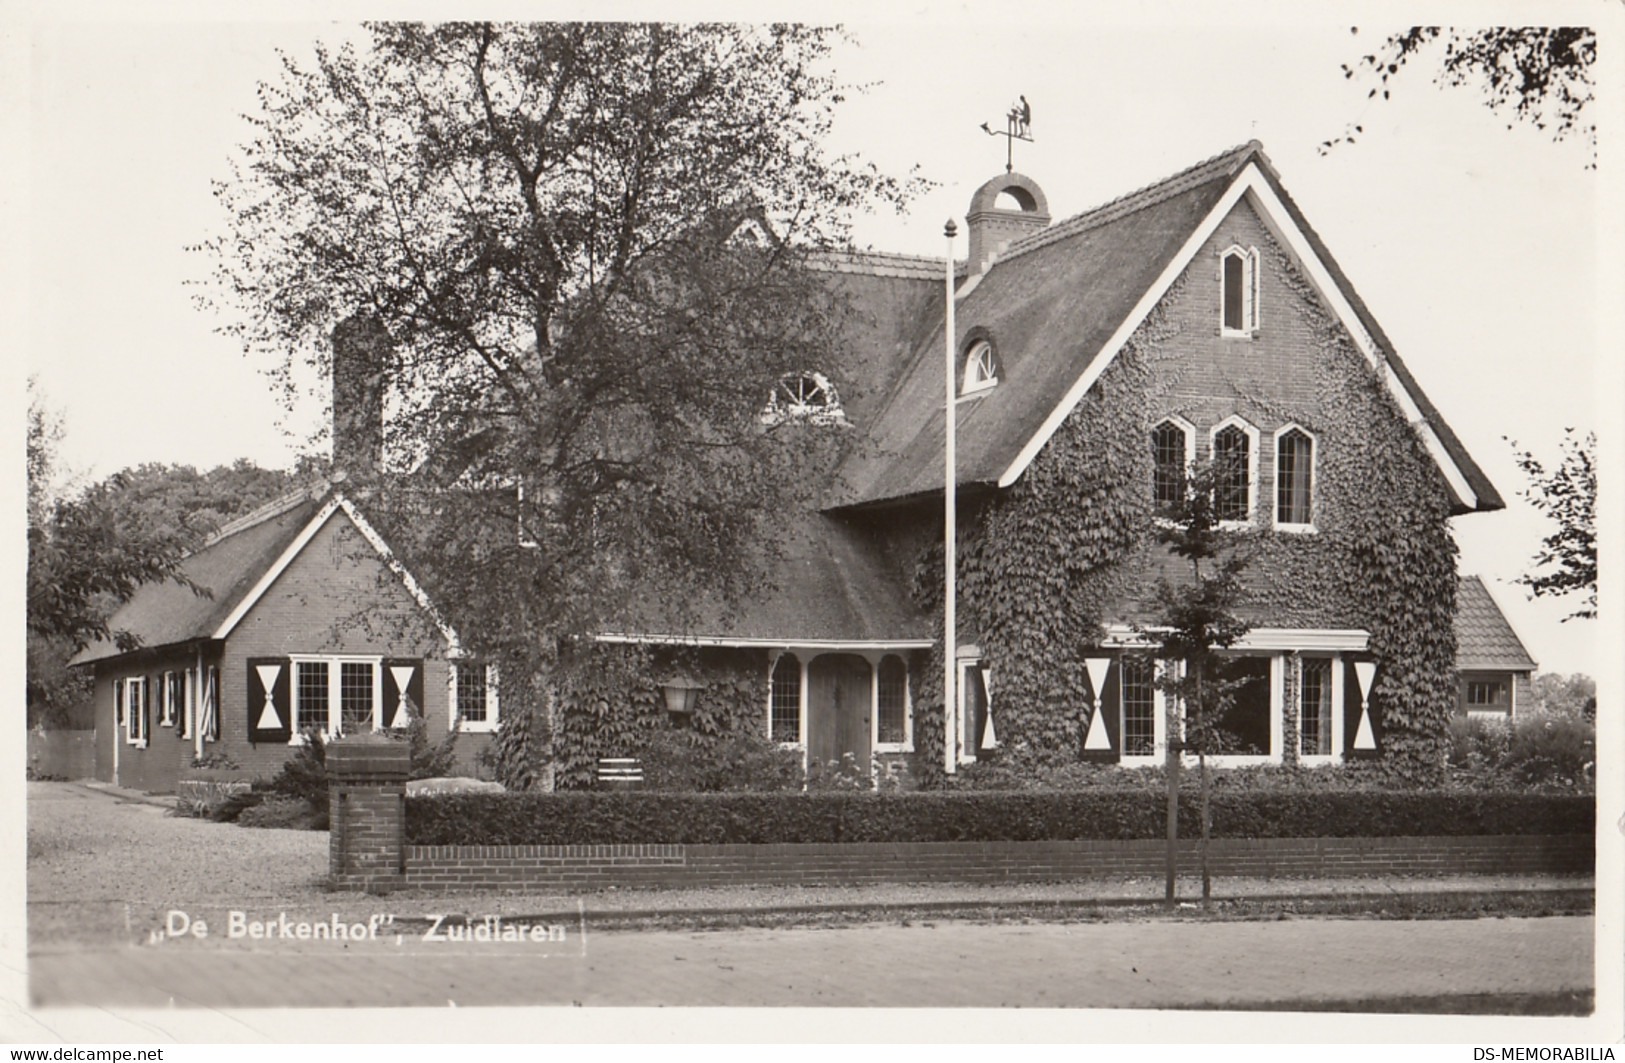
(981, 368)
(803, 397)
(1238, 284)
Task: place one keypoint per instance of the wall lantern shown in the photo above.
(682, 694)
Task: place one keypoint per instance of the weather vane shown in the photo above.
(1018, 125)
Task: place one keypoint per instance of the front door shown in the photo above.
(840, 694)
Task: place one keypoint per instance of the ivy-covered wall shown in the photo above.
(609, 703)
(1043, 565)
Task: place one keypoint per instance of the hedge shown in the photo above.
(760, 818)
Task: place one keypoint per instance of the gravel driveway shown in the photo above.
(95, 861)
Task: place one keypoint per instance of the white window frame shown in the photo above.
(801, 699)
(1238, 421)
(1277, 722)
(1190, 448)
(907, 744)
(335, 707)
(781, 409)
(1159, 723)
(135, 716)
(493, 700)
(973, 360)
(1249, 291)
(966, 664)
(1337, 680)
(1314, 461)
(166, 699)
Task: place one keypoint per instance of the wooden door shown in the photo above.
(840, 697)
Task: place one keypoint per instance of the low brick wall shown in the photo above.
(582, 867)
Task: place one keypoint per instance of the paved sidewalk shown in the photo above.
(1134, 964)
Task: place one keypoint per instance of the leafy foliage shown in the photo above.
(1542, 74)
(680, 759)
(833, 817)
(541, 217)
(1555, 750)
(609, 704)
(304, 775)
(1568, 495)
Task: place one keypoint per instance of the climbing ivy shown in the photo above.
(1069, 546)
(610, 703)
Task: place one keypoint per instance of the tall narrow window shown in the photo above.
(784, 723)
(1139, 707)
(1238, 279)
(893, 719)
(1294, 476)
(1315, 708)
(1232, 457)
(1169, 453)
(310, 695)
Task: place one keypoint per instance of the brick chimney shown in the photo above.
(361, 351)
(993, 227)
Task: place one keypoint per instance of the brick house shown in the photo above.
(1493, 666)
(311, 622)
(1097, 358)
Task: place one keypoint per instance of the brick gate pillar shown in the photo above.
(367, 792)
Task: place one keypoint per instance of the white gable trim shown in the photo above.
(1251, 183)
(1279, 639)
(337, 504)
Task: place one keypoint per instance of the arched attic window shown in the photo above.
(1238, 284)
(806, 396)
(981, 368)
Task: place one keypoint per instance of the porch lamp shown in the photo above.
(682, 694)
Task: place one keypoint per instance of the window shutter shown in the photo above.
(1102, 741)
(183, 711)
(118, 703)
(403, 688)
(269, 701)
(1353, 710)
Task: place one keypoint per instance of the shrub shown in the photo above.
(304, 775)
(1097, 813)
(1543, 750)
(237, 802)
(676, 759)
(1552, 749)
(428, 761)
(843, 774)
(215, 761)
(198, 798)
(285, 813)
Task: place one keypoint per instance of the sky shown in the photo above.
(1474, 245)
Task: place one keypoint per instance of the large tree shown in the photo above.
(586, 246)
(1541, 75)
(1567, 561)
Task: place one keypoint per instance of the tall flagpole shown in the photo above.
(950, 537)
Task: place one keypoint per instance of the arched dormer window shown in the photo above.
(807, 396)
(1173, 444)
(1238, 286)
(1235, 458)
(1294, 479)
(981, 368)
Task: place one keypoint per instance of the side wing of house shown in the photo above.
(326, 631)
(1494, 669)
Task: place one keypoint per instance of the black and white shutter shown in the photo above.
(1102, 741)
(1362, 728)
(403, 692)
(270, 709)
